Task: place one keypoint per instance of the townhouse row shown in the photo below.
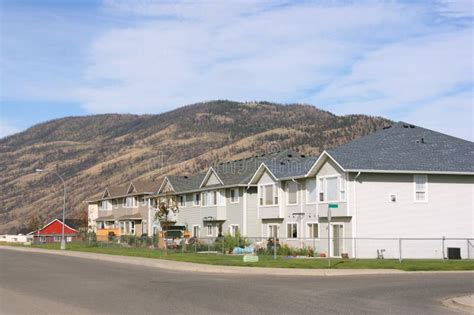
(400, 182)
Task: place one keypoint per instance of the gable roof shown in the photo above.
(208, 175)
(144, 186)
(404, 147)
(73, 224)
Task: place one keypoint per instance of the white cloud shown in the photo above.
(7, 128)
(212, 52)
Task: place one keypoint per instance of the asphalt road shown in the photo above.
(34, 283)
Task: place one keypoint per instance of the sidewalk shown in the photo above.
(193, 267)
(462, 303)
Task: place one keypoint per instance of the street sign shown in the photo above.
(333, 206)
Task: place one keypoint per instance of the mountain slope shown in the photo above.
(91, 152)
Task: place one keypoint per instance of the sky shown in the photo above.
(404, 60)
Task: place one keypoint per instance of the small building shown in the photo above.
(51, 232)
(19, 238)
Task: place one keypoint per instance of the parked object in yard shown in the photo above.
(245, 250)
(20, 238)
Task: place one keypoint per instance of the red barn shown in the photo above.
(51, 232)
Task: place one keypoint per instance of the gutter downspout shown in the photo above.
(354, 217)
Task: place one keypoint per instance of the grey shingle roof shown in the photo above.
(405, 147)
(185, 183)
(239, 172)
(142, 186)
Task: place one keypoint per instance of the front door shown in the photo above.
(337, 239)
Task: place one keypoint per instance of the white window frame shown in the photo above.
(425, 191)
(198, 230)
(276, 226)
(127, 204)
(143, 201)
(231, 229)
(107, 203)
(236, 195)
(182, 203)
(308, 202)
(297, 230)
(308, 230)
(210, 228)
(135, 202)
(197, 202)
(288, 193)
(115, 203)
(261, 194)
(341, 189)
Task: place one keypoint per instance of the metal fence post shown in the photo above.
(355, 248)
(274, 248)
(314, 246)
(208, 246)
(400, 250)
(442, 242)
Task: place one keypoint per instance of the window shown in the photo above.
(212, 198)
(129, 202)
(342, 188)
(268, 195)
(182, 200)
(132, 227)
(195, 230)
(292, 230)
(421, 188)
(311, 191)
(104, 205)
(233, 229)
(115, 203)
(143, 200)
(209, 229)
(234, 195)
(292, 190)
(332, 188)
(197, 199)
(57, 238)
(313, 231)
(100, 225)
(135, 202)
(273, 230)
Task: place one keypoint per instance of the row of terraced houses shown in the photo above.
(400, 183)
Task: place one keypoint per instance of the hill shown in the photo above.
(91, 152)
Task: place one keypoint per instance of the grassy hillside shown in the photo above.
(94, 151)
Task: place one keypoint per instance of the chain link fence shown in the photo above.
(349, 248)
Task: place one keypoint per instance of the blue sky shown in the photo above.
(406, 60)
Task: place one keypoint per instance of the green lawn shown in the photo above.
(267, 261)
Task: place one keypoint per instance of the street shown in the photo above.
(41, 283)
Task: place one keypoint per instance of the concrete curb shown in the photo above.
(194, 267)
(462, 303)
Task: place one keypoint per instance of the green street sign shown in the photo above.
(333, 206)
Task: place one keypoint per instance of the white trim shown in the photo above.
(244, 212)
(297, 230)
(425, 191)
(198, 232)
(324, 154)
(409, 172)
(268, 229)
(208, 174)
(194, 199)
(237, 196)
(32, 233)
(134, 189)
(307, 229)
(324, 188)
(184, 198)
(262, 165)
(275, 190)
(231, 230)
(331, 235)
(288, 193)
(165, 180)
(306, 190)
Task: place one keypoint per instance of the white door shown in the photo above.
(337, 240)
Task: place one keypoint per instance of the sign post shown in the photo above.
(330, 206)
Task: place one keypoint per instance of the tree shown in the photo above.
(35, 222)
(167, 206)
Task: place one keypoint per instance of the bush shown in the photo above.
(230, 242)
